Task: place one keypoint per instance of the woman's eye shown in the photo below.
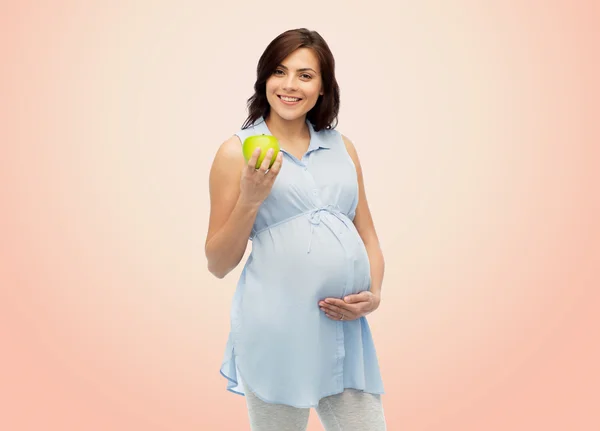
(305, 76)
(278, 72)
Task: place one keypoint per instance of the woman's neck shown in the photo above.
(288, 130)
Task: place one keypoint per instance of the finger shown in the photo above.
(334, 309)
(266, 161)
(338, 316)
(254, 158)
(350, 299)
(357, 297)
(335, 302)
(335, 316)
(277, 165)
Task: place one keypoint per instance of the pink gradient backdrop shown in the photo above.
(477, 127)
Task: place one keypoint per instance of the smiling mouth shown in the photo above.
(289, 99)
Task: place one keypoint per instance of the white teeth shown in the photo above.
(289, 99)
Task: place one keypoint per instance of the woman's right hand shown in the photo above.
(256, 184)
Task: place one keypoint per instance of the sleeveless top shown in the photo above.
(305, 248)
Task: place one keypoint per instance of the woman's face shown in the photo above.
(294, 87)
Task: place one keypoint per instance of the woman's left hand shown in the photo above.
(351, 307)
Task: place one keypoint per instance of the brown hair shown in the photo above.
(324, 114)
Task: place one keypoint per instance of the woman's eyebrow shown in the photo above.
(304, 69)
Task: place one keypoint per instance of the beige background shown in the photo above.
(474, 123)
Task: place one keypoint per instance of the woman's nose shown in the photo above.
(290, 83)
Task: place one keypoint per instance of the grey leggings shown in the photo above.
(352, 410)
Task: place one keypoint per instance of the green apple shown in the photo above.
(264, 142)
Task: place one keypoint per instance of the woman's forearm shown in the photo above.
(228, 245)
(377, 263)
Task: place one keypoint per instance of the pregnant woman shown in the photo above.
(299, 337)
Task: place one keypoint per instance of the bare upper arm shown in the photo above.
(363, 219)
(224, 183)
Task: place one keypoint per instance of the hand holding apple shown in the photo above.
(264, 142)
(256, 183)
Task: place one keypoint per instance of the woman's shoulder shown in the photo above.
(250, 129)
(335, 135)
(231, 145)
(228, 154)
(348, 144)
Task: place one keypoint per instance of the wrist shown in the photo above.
(248, 205)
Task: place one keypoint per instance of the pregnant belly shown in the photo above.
(292, 263)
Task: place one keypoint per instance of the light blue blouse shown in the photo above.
(305, 248)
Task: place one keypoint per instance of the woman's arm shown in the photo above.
(366, 228)
(231, 219)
